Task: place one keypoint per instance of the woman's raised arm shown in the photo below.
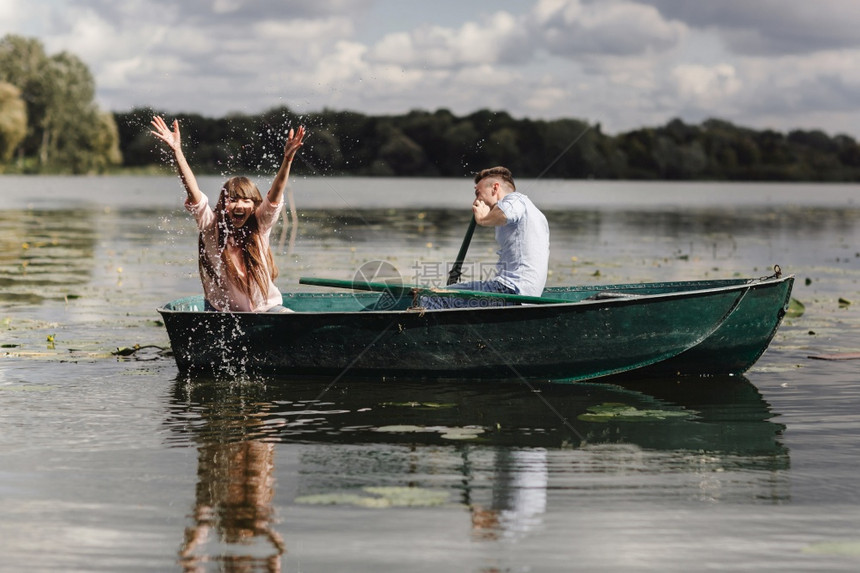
(174, 143)
(294, 141)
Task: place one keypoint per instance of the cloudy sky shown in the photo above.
(780, 64)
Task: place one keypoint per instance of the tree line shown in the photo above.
(441, 144)
(50, 123)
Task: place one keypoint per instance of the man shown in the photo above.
(521, 232)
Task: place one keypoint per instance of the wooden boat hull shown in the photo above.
(705, 327)
(741, 339)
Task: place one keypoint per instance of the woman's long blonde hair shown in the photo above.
(247, 238)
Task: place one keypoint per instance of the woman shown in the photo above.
(236, 265)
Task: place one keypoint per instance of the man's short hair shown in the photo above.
(502, 173)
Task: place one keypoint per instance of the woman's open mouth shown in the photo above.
(239, 218)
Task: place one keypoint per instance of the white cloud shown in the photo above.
(226, 6)
(10, 12)
(573, 28)
(346, 63)
(23, 17)
(439, 47)
(295, 33)
(706, 87)
(624, 63)
(395, 48)
(772, 27)
(824, 83)
(546, 97)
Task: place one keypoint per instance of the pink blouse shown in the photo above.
(228, 296)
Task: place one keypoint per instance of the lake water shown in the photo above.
(117, 463)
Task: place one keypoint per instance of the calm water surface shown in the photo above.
(116, 463)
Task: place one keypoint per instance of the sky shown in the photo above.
(625, 64)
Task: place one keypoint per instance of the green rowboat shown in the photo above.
(569, 334)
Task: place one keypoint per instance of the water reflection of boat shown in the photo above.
(571, 333)
(715, 414)
(497, 449)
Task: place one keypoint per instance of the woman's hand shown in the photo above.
(162, 132)
(294, 141)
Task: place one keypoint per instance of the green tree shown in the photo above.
(402, 155)
(352, 142)
(13, 120)
(849, 151)
(66, 131)
(460, 140)
(503, 148)
(23, 64)
(429, 131)
(636, 146)
(563, 149)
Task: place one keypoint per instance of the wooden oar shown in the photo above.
(407, 289)
(457, 268)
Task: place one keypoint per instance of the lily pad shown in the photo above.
(147, 352)
(420, 405)
(125, 350)
(334, 499)
(795, 308)
(25, 388)
(404, 429)
(445, 432)
(618, 412)
(380, 497)
(466, 433)
(850, 548)
(409, 496)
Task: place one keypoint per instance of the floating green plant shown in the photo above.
(125, 350)
(419, 405)
(618, 412)
(445, 432)
(795, 308)
(380, 497)
(850, 548)
(342, 499)
(25, 388)
(467, 433)
(134, 350)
